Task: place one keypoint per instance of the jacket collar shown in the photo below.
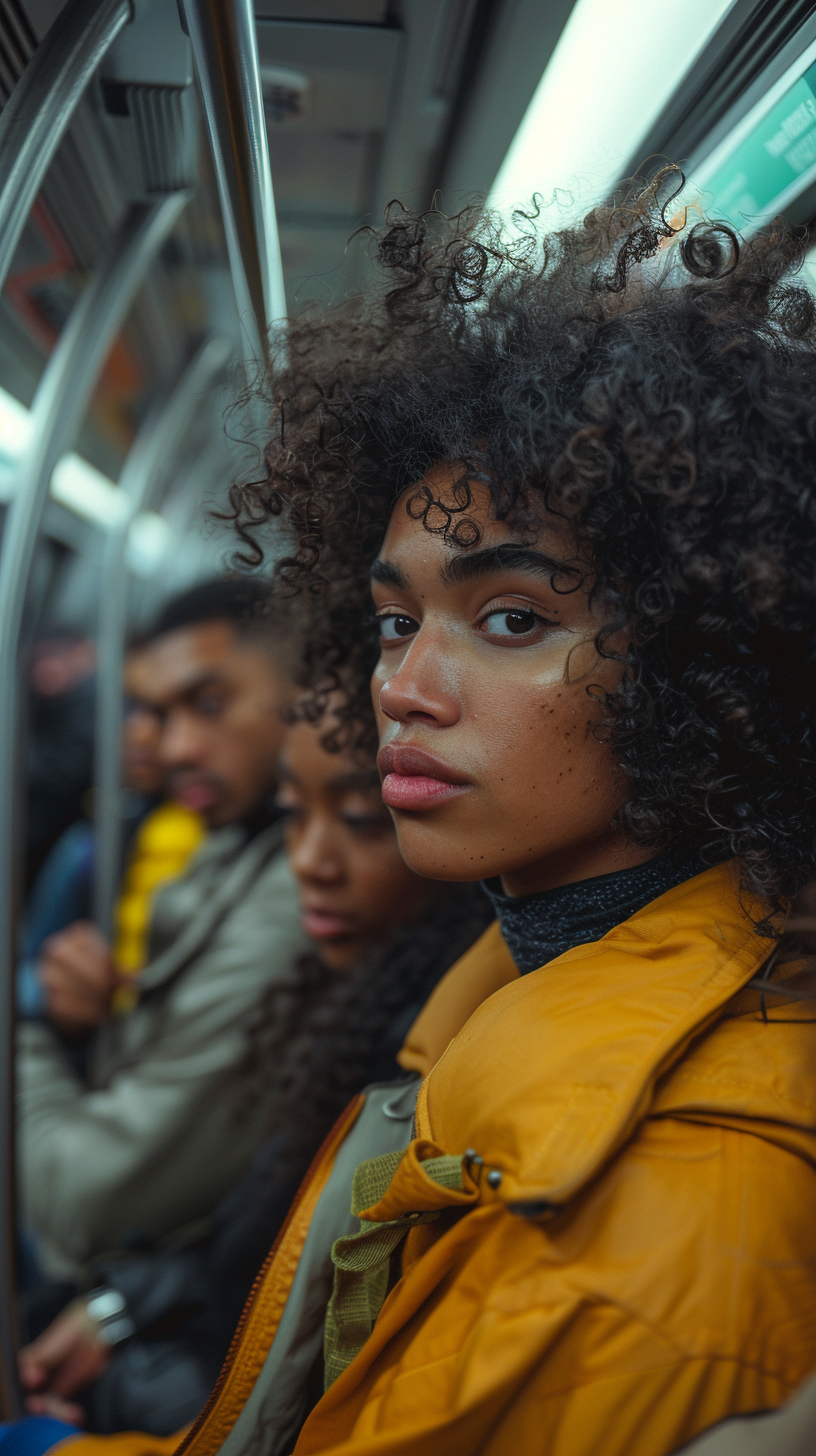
(239, 861)
(552, 1073)
(481, 971)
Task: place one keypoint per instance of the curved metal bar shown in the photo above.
(59, 404)
(153, 448)
(225, 51)
(34, 120)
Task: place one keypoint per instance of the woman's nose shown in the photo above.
(422, 688)
(314, 856)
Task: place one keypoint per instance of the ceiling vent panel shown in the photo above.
(152, 132)
(347, 70)
(287, 95)
(327, 91)
(153, 50)
(164, 132)
(17, 45)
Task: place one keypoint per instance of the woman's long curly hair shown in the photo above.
(652, 383)
(320, 1036)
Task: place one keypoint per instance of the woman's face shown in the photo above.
(489, 760)
(354, 885)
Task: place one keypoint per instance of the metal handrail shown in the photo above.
(56, 413)
(36, 115)
(225, 52)
(152, 450)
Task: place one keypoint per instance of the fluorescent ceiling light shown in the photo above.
(87, 492)
(75, 484)
(616, 65)
(14, 426)
(149, 536)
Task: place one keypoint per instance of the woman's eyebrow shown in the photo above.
(387, 574)
(509, 556)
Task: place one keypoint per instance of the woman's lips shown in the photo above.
(324, 924)
(414, 779)
(410, 791)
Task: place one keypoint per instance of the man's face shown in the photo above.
(141, 733)
(217, 700)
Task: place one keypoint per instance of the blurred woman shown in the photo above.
(383, 936)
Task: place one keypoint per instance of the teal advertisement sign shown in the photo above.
(779, 151)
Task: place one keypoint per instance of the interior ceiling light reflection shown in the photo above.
(613, 70)
(83, 490)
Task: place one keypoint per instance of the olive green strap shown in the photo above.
(372, 1179)
(362, 1261)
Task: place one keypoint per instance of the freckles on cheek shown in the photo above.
(567, 724)
(558, 725)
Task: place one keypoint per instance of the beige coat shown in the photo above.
(150, 1143)
(790, 1431)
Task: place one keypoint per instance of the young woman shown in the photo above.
(382, 938)
(579, 473)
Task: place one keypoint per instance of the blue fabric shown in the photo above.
(61, 894)
(30, 996)
(33, 1435)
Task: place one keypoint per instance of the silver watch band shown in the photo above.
(108, 1310)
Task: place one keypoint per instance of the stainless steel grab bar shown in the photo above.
(56, 413)
(35, 118)
(153, 447)
(225, 52)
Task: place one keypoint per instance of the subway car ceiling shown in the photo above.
(364, 101)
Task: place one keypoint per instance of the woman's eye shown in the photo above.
(288, 806)
(396, 625)
(366, 823)
(511, 623)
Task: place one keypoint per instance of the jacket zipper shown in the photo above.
(201, 1419)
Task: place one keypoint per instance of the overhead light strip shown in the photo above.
(75, 484)
(597, 99)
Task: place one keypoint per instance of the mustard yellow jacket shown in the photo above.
(631, 1255)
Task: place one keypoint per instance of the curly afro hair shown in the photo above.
(652, 383)
(318, 1037)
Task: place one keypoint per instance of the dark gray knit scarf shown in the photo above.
(539, 927)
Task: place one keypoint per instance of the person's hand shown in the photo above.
(78, 978)
(55, 1407)
(62, 1360)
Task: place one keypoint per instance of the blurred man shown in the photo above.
(163, 838)
(148, 1142)
(158, 838)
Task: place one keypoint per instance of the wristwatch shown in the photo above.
(107, 1309)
